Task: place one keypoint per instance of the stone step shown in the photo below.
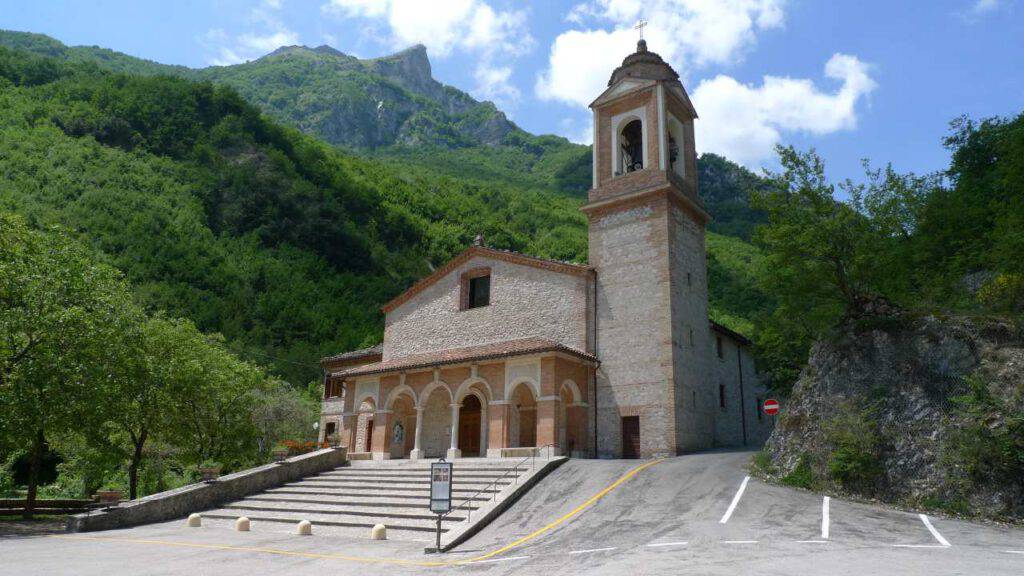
(418, 494)
(415, 480)
(369, 473)
(423, 513)
(417, 503)
(465, 488)
(327, 520)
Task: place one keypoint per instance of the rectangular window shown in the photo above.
(757, 408)
(721, 395)
(718, 346)
(479, 291)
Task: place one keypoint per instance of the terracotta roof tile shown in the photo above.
(458, 355)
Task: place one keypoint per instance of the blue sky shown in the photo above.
(864, 79)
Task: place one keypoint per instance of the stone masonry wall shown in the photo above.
(629, 250)
(525, 302)
(695, 393)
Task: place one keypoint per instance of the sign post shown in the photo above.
(440, 493)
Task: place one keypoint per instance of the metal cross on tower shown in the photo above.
(640, 27)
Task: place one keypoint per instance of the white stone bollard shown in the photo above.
(195, 520)
(305, 528)
(379, 532)
(242, 524)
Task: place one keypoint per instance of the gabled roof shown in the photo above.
(355, 354)
(471, 353)
(740, 338)
(483, 251)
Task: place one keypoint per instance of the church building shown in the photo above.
(498, 353)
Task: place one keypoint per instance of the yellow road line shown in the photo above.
(566, 516)
(394, 561)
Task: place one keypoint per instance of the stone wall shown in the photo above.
(526, 302)
(740, 406)
(629, 249)
(181, 502)
(695, 394)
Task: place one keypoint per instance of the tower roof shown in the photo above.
(644, 65)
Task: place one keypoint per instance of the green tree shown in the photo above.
(58, 313)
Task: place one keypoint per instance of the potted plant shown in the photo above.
(210, 470)
(109, 496)
(280, 453)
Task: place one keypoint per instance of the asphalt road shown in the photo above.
(685, 515)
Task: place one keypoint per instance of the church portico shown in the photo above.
(465, 409)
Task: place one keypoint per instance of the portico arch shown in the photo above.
(474, 416)
(522, 415)
(436, 414)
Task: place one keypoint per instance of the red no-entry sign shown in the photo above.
(771, 407)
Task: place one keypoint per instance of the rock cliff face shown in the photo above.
(880, 411)
(364, 103)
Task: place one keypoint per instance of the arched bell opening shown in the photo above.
(631, 147)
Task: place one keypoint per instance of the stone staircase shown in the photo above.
(351, 499)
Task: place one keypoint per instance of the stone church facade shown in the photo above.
(497, 353)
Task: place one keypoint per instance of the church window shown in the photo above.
(757, 408)
(721, 396)
(631, 147)
(479, 291)
(476, 289)
(718, 347)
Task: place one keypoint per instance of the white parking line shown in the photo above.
(1014, 551)
(660, 544)
(593, 550)
(735, 501)
(935, 533)
(919, 546)
(824, 517)
(812, 541)
(739, 541)
(501, 559)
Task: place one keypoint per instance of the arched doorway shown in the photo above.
(523, 417)
(364, 426)
(437, 421)
(470, 422)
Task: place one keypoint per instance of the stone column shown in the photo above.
(382, 435)
(351, 421)
(417, 449)
(497, 435)
(454, 451)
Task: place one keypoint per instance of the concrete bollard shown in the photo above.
(305, 528)
(242, 524)
(379, 532)
(195, 520)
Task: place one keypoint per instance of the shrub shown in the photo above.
(802, 476)
(854, 462)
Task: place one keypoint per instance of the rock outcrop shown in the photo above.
(886, 394)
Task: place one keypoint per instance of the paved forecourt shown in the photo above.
(699, 512)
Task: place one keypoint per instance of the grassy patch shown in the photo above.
(802, 476)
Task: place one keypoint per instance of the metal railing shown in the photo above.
(494, 493)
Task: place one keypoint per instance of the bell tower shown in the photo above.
(646, 242)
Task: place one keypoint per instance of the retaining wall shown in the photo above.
(180, 502)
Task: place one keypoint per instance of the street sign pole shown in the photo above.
(440, 493)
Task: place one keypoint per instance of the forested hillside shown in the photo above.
(285, 245)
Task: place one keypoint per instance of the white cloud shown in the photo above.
(745, 122)
(689, 34)
(446, 26)
(984, 6)
(227, 49)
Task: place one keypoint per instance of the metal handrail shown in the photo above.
(494, 494)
